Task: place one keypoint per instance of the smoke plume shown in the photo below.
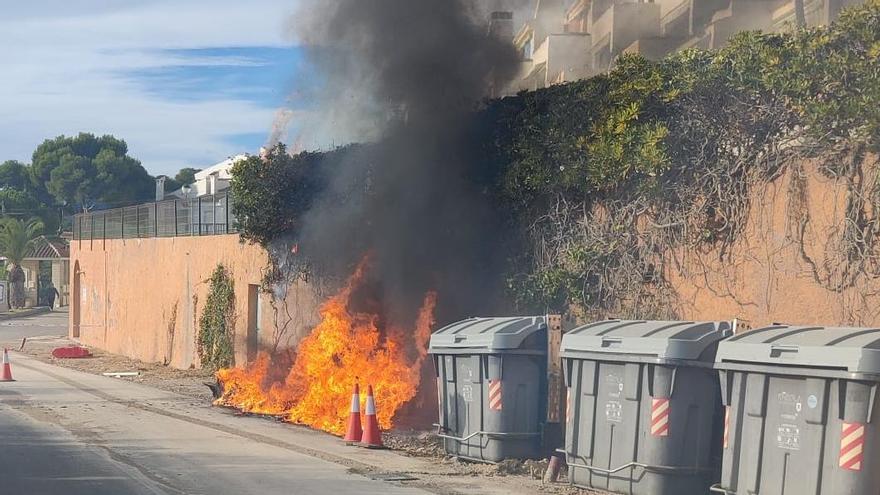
(279, 126)
(406, 75)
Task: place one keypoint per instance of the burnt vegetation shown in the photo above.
(590, 186)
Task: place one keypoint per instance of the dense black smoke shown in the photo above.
(411, 73)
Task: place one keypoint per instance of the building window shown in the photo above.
(527, 49)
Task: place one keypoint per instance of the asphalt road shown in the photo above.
(72, 433)
(40, 458)
(52, 323)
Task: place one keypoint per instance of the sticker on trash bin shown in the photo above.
(790, 406)
(467, 373)
(467, 393)
(812, 402)
(614, 411)
(788, 437)
(615, 385)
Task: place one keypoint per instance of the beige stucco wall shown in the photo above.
(142, 297)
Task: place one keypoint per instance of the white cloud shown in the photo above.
(65, 67)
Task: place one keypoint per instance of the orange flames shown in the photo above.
(345, 347)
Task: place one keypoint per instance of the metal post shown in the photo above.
(155, 219)
(175, 218)
(555, 384)
(226, 220)
(199, 203)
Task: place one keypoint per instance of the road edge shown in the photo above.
(39, 310)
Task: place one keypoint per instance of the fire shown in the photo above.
(345, 347)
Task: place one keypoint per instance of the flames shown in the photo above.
(345, 347)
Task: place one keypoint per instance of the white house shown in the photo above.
(211, 180)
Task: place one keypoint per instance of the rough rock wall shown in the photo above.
(770, 274)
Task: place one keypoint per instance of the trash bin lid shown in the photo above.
(662, 340)
(856, 350)
(490, 335)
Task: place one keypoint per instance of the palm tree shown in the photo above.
(16, 238)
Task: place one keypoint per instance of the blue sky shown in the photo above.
(263, 75)
(185, 82)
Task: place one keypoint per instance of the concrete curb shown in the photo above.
(21, 314)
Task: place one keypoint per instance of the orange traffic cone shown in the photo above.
(7, 369)
(372, 436)
(354, 432)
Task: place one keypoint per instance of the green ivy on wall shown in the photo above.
(217, 323)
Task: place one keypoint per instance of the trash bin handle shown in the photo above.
(718, 489)
(647, 467)
(778, 349)
(489, 434)
(609, 341)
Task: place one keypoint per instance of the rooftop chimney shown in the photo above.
(160, 188)
(212, 183)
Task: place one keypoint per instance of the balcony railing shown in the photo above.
(205, 215)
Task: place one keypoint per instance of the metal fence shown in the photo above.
(206, 215)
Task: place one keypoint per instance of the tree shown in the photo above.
(19, 197)
(269, 197)
(14, 174)
(186, 176)
(17, 201)
(87, 170)
(16, 238)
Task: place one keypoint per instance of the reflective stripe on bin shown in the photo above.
(660, 417)
(726, 426)
(495, 395)
(852, 438)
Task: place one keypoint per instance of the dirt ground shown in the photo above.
(191, 383)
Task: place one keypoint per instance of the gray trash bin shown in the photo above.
(643, 410)
(799, 406)
(491, 380)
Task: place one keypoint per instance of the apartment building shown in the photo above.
(551, 54)
(566, 40)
